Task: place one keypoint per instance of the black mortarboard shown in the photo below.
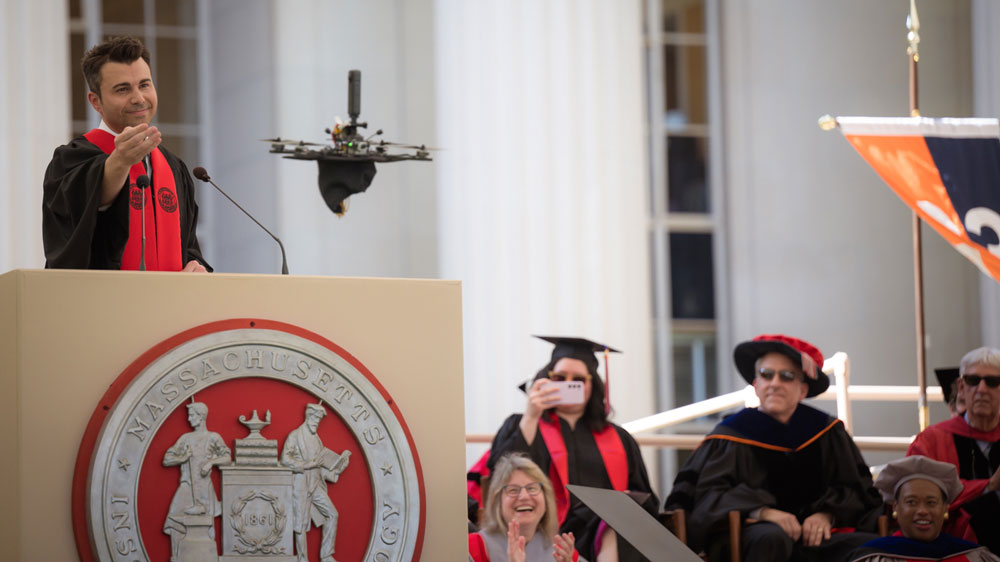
(577, 348)
(339, 179)
(946, 378)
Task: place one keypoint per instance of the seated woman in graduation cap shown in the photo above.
(920, 490)
(576, 444)
(520, 518)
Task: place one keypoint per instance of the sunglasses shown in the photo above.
(992, 381)
(786, 375)
(560, 376)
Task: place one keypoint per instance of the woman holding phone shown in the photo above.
(574, 443)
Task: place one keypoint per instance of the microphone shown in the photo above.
(201, 174)
(142, 182)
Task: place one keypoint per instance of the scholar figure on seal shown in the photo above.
(197, 452)
(313, 465)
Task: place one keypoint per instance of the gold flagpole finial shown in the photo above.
(827, 122)
(913, 28)
(913, 38)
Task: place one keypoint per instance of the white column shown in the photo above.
(542, 190)
(34, 119)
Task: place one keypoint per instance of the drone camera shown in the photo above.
(354, 95)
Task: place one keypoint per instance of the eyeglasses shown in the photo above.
(513, 490)
(786, 375)
(992, 381)
(560, 376)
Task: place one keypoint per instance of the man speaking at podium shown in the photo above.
(113, 198)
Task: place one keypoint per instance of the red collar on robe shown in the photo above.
(163, 223)
(958, 426)
(938, 443)
(609, 444)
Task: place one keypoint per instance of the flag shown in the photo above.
(947, 170)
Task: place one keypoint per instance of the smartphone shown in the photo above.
(568, 393)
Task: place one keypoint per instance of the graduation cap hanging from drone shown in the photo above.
(347, 165)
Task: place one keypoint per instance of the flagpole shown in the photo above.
(913, 38)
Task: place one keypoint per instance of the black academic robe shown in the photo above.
(76, 235)
(750, 460)
(586, 467)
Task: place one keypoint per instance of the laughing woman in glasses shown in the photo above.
(572, 441)
(971, 443)
(521, 524)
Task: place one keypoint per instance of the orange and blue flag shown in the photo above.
(947, 170)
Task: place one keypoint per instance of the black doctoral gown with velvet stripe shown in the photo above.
(751, 460)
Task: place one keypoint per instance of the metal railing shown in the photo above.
(837, 367)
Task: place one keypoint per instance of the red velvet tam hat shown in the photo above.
(803, 353)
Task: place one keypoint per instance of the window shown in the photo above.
(169, 29)
(684, 202)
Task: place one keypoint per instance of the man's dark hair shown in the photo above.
(116, 49)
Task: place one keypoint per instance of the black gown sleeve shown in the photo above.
(510, 440)
(75, 234)
(638, 478)
(720, 477)
(849, 496)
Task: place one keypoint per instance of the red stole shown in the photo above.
(609, 444)
(477, 548)
(163, 226)
(474, 486)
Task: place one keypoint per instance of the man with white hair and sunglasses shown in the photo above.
(970, 443)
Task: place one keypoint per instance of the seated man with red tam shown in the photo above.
(792, 471)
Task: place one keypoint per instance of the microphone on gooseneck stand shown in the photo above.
(142, 182)
(201, 174)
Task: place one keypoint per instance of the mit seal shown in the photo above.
(183, 467)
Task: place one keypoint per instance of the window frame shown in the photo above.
(662, 222)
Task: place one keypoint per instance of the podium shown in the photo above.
(66, 336)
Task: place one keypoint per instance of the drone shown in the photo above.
(348, 145)
(347, 164)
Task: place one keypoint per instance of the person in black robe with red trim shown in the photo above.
(94, 215)
(576, 444)
(792, 471)
(971, 443)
